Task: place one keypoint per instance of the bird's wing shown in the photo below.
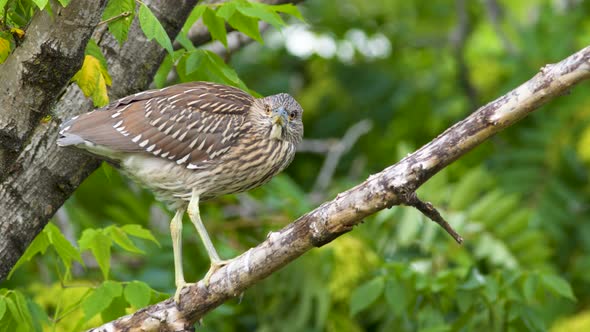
(187, 123)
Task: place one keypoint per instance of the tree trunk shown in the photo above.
(43, 175)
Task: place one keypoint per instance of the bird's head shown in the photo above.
(279, 117)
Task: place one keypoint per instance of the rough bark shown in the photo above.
(39, 69)
(43, 176)
(392, 186)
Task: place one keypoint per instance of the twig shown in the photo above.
(319, 146)
(430, 211)
(336, 152)
(458, 39)
(495, 14)
(114, 18)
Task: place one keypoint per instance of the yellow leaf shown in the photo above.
(100, 97)
(93, 79)
(4, 49)
(17, 32)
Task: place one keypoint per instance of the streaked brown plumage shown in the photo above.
(192, 142)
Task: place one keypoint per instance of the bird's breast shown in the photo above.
(249, 164)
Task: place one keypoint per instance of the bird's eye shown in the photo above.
(267, 109)
(292, 115)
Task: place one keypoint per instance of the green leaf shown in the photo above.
(161, 76)
(39, 245)
(13, 308)
(558, 286)
(365, 295)
(289, 9)
(100, 246)
(246, 25)
(194, 61)
(183, 40)
(216, 26)
(2, 307)
(64, 3)
(41, 3)
(101, 298)
(396, 295)
(38, 315)
(23, 308)
(117, 308)
(475, 280)
(152, 28)
(529, 287)
(465, 300)
(470, 186)
(263, 12)
(226, 10)
(107, 170)
(226, 72)
(120, 238)
(120, 14)
(65, 250)
(195, 14)
(140, 232)
(138, 294)
(2, 5)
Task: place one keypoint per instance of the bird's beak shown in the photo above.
(280, 116)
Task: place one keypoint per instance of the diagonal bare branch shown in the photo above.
(392, 186)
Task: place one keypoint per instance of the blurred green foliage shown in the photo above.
(413, 68)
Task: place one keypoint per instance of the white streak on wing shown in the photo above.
(144, 143)
(120, 129)
(64, 130)
(136, 138)
(183, 159)
(150, 148)
(193, 166)
(118, 124)
(181, 138)
(194, 142)
(167, 131)
(155, 122)
(200, 147)
(176, 133)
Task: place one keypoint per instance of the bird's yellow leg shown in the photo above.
(176, 232)
(195, 216)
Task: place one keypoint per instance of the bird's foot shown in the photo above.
(215, 265)
(179, 287)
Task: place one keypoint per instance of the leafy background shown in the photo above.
(411, 68)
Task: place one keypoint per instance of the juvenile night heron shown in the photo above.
(192, 142)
